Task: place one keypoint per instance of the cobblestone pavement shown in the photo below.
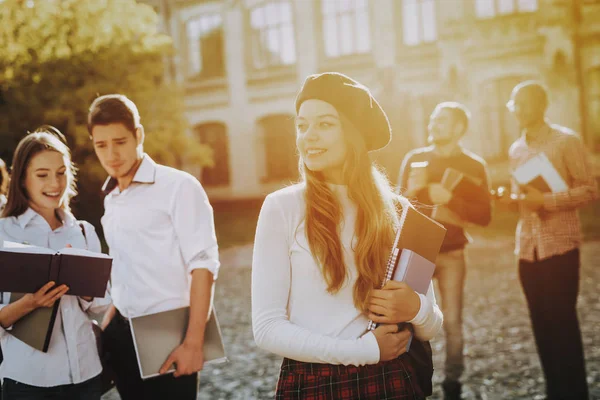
(500, 353)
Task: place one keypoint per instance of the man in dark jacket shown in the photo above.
(455, 206)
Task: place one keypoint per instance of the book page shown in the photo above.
(72, 251)
(540, 165)
(15, 247)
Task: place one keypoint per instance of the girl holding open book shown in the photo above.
(37, 212)
(320, 255)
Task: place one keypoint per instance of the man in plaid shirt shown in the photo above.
(548, 239)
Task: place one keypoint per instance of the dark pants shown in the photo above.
(551, 287)
(118, 343)
(88, 390)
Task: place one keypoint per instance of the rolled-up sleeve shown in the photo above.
(193, 221)
(4, 299)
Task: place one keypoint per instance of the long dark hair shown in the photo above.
(45, 138)
(3, 177)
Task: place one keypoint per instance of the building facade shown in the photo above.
(241, 63)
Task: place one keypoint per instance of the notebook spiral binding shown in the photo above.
(389, 272)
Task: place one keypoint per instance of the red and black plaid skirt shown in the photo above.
(393, 379)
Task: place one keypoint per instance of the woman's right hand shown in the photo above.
(45, 297)
(391, 343)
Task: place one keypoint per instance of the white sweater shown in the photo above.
(293, 315)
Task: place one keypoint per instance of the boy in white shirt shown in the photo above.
(159, 227)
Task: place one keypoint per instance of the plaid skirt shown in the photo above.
(390, 380)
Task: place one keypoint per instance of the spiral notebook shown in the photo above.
(412, 258)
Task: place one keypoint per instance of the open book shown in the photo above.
(413, 255)
(156, 335)
(25, 269)
(538, 172)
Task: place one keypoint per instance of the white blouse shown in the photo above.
(72, 356)
(293, 315)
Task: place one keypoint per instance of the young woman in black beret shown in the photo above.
(320, 255)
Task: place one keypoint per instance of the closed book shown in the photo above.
(466, 186)
(417, 235)
(539, 172)
(156, 335)
(25, 269)
(540, 184)
(35, 329)
(416, 271)
(445, 215)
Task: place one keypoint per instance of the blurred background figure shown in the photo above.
(421, 179)
(549, 237)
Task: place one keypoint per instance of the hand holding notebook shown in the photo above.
(539, 173)
(412, 259)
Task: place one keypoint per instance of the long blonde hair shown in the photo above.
(375, 224)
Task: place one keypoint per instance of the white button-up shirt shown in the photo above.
(158, 230)
(72, 356)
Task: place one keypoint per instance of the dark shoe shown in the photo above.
(452, 390)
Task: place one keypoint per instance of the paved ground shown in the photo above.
(500, 352)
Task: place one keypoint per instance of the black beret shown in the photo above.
(351, 99)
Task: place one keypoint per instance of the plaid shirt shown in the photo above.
(555, 228)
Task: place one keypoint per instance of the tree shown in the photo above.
(58, 55)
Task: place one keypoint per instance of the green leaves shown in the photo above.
(58, 55)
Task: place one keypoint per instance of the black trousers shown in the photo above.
(551, 287)
(118, 343)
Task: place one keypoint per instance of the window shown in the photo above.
(346, 28)
(419, 23)
(205, 46)
(214, 135)
(278, 141)
(272, 35)
(492, 8)
(500, 128)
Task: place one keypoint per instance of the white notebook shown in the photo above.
(540, 173)
(156, 335)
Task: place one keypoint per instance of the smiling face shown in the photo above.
(320, 139)
(46, 181)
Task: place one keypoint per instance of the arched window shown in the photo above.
(278, 141)
(214, 135)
